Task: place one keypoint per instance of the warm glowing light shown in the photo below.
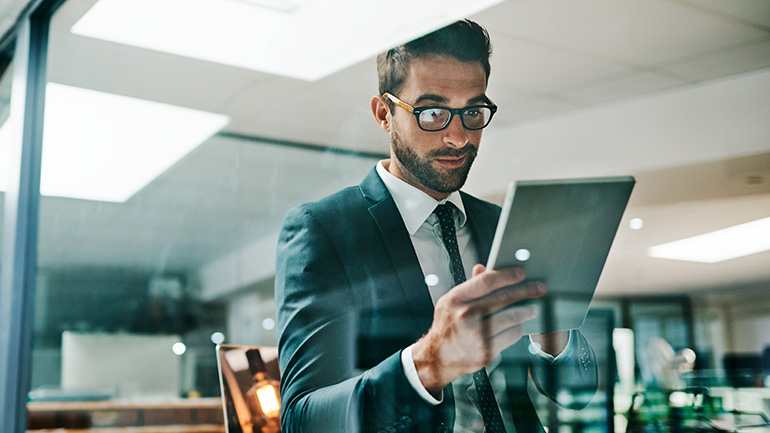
(301, 41)
(269, 401)
(729, 243)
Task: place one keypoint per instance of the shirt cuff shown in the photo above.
(561, 358)
(414, 379)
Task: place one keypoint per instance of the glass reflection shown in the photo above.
(186, 254)
(5, 169)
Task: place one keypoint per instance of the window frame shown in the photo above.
(27, 40)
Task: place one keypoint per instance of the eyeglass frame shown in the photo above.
(452, 112)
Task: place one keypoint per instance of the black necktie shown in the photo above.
(490, 411)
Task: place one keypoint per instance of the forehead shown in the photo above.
(446, 77)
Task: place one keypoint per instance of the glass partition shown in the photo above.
(159, 217)
(166, 178)
(6, 77)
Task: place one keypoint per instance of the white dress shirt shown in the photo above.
(416, 209)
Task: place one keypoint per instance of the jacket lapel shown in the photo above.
(400, 249)
(482, 224)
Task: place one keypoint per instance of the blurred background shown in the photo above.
(178, 133)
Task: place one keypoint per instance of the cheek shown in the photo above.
(402, 125)
(427, 141)
(411, 134)
(475, 137)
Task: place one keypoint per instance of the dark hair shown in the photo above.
(464, 40)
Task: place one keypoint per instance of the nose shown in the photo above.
(455, 134)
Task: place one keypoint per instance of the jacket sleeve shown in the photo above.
(321, 389)
(577, 372)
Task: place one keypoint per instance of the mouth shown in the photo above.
(452, 162)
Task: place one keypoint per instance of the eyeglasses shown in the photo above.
(437, 118)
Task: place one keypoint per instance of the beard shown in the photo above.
(422, 169)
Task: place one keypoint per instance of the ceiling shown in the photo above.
(674, 92)
(9, 13)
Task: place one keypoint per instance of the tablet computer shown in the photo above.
(560, 232)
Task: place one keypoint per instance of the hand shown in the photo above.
(472, 324)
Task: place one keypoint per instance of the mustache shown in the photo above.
(454, 153)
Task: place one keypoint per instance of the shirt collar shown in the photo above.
(414, 205)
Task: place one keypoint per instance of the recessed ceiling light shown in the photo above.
(179, 348)
(636, 223)
(217, 338)
(102, 146)
(725, 244)
(313, 40)
(268, 324)
(522, 255)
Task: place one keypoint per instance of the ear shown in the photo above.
(381, 112)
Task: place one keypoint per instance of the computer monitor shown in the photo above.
(129, 365)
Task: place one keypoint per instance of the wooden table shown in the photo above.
(146, 429)
(201, 415)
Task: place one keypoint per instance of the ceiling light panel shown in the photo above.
(717, 246)
(277, 5)
(106, 147)
(309, 41)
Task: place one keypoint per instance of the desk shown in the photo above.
(202, 415)
(152, 429)
(748, 399)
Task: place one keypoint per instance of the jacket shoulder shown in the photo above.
(333, 206)
(479, 206)
(335, 214)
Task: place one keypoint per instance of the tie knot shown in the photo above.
(445, 212)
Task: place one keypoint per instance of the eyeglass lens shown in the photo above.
(438, 118)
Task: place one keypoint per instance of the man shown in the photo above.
(379, 331)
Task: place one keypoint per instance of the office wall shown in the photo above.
(750, 328)
(733, 319)
(251, 316)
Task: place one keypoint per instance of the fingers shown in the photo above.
(503, 297)
(505, 339)
(510, 317)
(477, 269)
(484, 282)
(502, 329)
(471, 323)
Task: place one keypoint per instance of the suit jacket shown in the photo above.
(351, 295)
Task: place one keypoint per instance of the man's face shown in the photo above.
(436, 162)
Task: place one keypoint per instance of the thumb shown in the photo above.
(477, 269)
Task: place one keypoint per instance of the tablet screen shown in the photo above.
(560, 232)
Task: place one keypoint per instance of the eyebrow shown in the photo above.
(429, 97)
(481, 98)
